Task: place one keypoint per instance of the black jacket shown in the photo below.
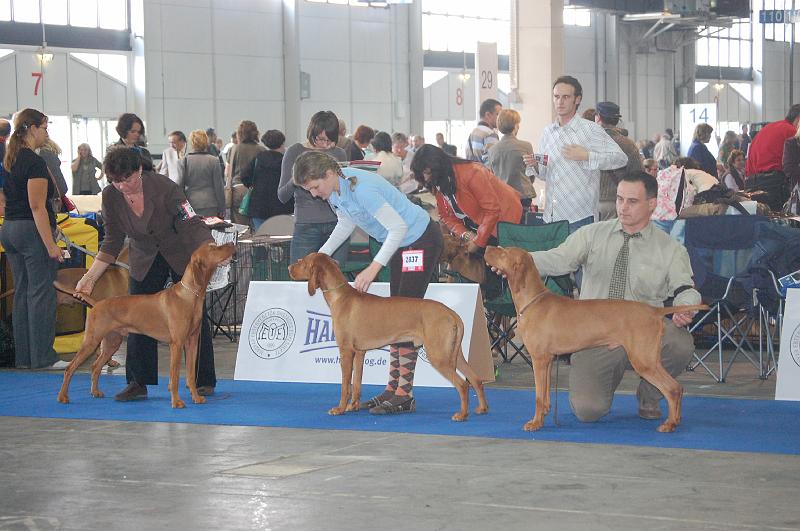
(263, 176)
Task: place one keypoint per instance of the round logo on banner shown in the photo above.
(272, 333)
(794, 345)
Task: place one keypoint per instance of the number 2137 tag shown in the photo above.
(413, 260)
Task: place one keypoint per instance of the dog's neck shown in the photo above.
(526, 286)
(333, 285)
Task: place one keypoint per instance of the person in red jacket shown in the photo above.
(470, 199)
(764, 167)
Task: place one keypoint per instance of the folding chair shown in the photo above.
(721, 252)
(280, 225)
(221, 291)
(501, 316)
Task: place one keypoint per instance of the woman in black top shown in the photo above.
(263, 177)
(130, 129)
(29, 243)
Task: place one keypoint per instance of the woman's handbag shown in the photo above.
(244, 206)
(60, 203)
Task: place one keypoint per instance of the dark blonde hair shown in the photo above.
(23, 120)
(702, 131)
(312, 166)
(199, 140)
(507, 120)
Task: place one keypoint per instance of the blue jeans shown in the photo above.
(309, 237)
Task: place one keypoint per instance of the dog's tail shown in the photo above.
(85, 299)
(679, 309)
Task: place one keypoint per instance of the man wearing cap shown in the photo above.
(576, 150)
(607, 117)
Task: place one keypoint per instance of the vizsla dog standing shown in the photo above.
(172, 316)
(552, 325)
(362, 321)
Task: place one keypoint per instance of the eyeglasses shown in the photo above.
(130, 179)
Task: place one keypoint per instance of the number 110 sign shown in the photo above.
(693, 114)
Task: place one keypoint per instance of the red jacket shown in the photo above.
(766, 151)
(484, 198)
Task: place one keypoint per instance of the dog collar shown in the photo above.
(534, 299)
(337, 287)
(193, 292)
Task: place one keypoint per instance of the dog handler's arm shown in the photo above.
(112, 243)
(397, 228)
(344, 228)
(681, 286)
(567, 257)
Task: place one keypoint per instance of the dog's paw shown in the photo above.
(199, 399)
(336, 410)
(98, 394)
(481, 410)
(533, 425)
(178, 404)
(667, 427)
(63, 398)
(459, 417)
(353, 406)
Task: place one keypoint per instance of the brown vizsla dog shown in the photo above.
(552, 325)
(112, 283)
(469, 266)
(172, 316)
(362, 321)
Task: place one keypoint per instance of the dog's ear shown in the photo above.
(312, 278)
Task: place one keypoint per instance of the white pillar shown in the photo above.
(540, 52)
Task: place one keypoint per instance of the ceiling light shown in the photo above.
(650, 16)
(43, 55)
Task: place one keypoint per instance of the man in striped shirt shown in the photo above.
(572, 153)
(484, 135)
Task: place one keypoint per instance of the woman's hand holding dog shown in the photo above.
(367, 276)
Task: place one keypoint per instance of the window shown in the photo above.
(26, 11)
(729, 47)
(779, 32)
(449, 26)
(106, 14)
(114, 65)
(55, 12)
(574, 16)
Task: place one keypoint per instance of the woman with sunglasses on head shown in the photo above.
(470, 199)
(313, 218)
(153, 213)
(29, 242)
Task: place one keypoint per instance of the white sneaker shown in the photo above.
(60, 365)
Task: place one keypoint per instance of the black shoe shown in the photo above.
(134, 391)
(388, 408)
(375, 401)
(205, 390)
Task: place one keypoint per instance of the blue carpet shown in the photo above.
(764, 426)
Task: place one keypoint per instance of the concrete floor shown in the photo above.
(102, 475)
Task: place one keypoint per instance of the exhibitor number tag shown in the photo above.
(413, 261)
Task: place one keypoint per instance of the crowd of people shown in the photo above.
(603, 184)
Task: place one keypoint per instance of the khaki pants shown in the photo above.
(595, 373)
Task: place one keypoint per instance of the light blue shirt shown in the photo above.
(359, 204)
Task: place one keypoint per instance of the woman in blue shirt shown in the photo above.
(366, 200)
(699, 152)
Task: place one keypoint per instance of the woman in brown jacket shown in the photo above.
(164, 231)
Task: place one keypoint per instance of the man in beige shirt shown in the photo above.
(657, 268)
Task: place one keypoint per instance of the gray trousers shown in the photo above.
(595, 373)
(34, 314)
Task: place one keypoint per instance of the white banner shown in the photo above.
(485, 74)
(287, 336)
(788, 386)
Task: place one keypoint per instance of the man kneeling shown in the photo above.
(625, 258)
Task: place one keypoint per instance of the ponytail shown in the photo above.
(23, 120)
